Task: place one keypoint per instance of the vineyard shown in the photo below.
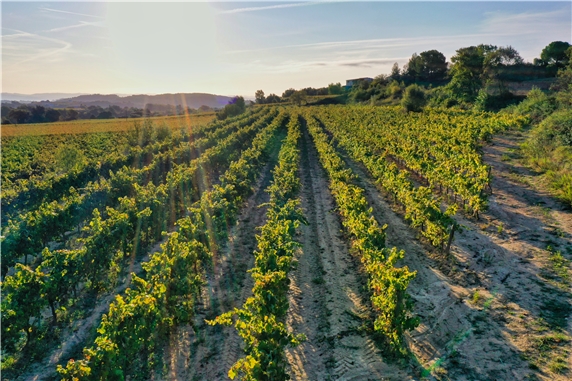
(304, 243)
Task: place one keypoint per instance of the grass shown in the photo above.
(318, 280)
(560, 266)
(476, 297)
(518, 178)
(549, 349)
(558, 365)
(102, 125)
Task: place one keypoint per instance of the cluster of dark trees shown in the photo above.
(292, 95)
(235, 106)
(18, 113)
(476, 75)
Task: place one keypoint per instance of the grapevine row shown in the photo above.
(261, 320)
(30, 193)
(137, 322)
(33, 230)
(387, 283)
(131, 228)
(441, 148)
(421, 208)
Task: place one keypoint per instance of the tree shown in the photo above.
(563, 84)
(413, 98)
(298, 98)
(434, 65)
(239, 102)
(395, 73)
(37, 114)
(19, 115)
(505, 55)
(430, 65)
(554, 54)
(71, 114)
(52, 115)
(105, 115)
(414, 66)
(259, 96)
(234, 107)
(498, 60)
(467, 71)
(335, 88)
(273, 98)
(288, 93)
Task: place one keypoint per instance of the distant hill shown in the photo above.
(37, 97)
(193, 100)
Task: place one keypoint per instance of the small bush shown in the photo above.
(537, 105)
(163, 132)
(559, 125)
(476, 297)
(413, 99)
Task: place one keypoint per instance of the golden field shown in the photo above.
(102, 125)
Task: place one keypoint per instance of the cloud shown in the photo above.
(277, 6)
(19, 33)
(69, 13)
(80, 25)
(372, 62)
(293, 66)
(34, 42)
(372, 45)
(527, 23)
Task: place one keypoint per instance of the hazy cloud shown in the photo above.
(277, 6)
(33, 43)
(80, 25)
(292, 66)
(370, 44)
(527, 22)
(69, 13)
(371, 63)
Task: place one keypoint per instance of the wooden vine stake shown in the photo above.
(452, 229)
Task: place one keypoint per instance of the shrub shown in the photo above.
(559, 125)
(537, 105)
(413, 99)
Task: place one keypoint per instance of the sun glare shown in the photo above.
(150, 37)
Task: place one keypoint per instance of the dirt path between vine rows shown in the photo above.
(326, 300)
(494, 310)
(209, 353)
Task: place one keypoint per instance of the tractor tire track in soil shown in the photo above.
(490, 337)
(209, 353)
(326, 301)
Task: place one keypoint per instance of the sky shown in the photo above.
(236, 48)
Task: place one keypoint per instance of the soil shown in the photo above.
(493, 309)
(327, 302)
(496, 308)
(206, 352)
(501, 258)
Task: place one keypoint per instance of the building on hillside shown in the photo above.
(351, 82)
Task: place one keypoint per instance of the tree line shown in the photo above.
(18, 113)
(477, 75)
